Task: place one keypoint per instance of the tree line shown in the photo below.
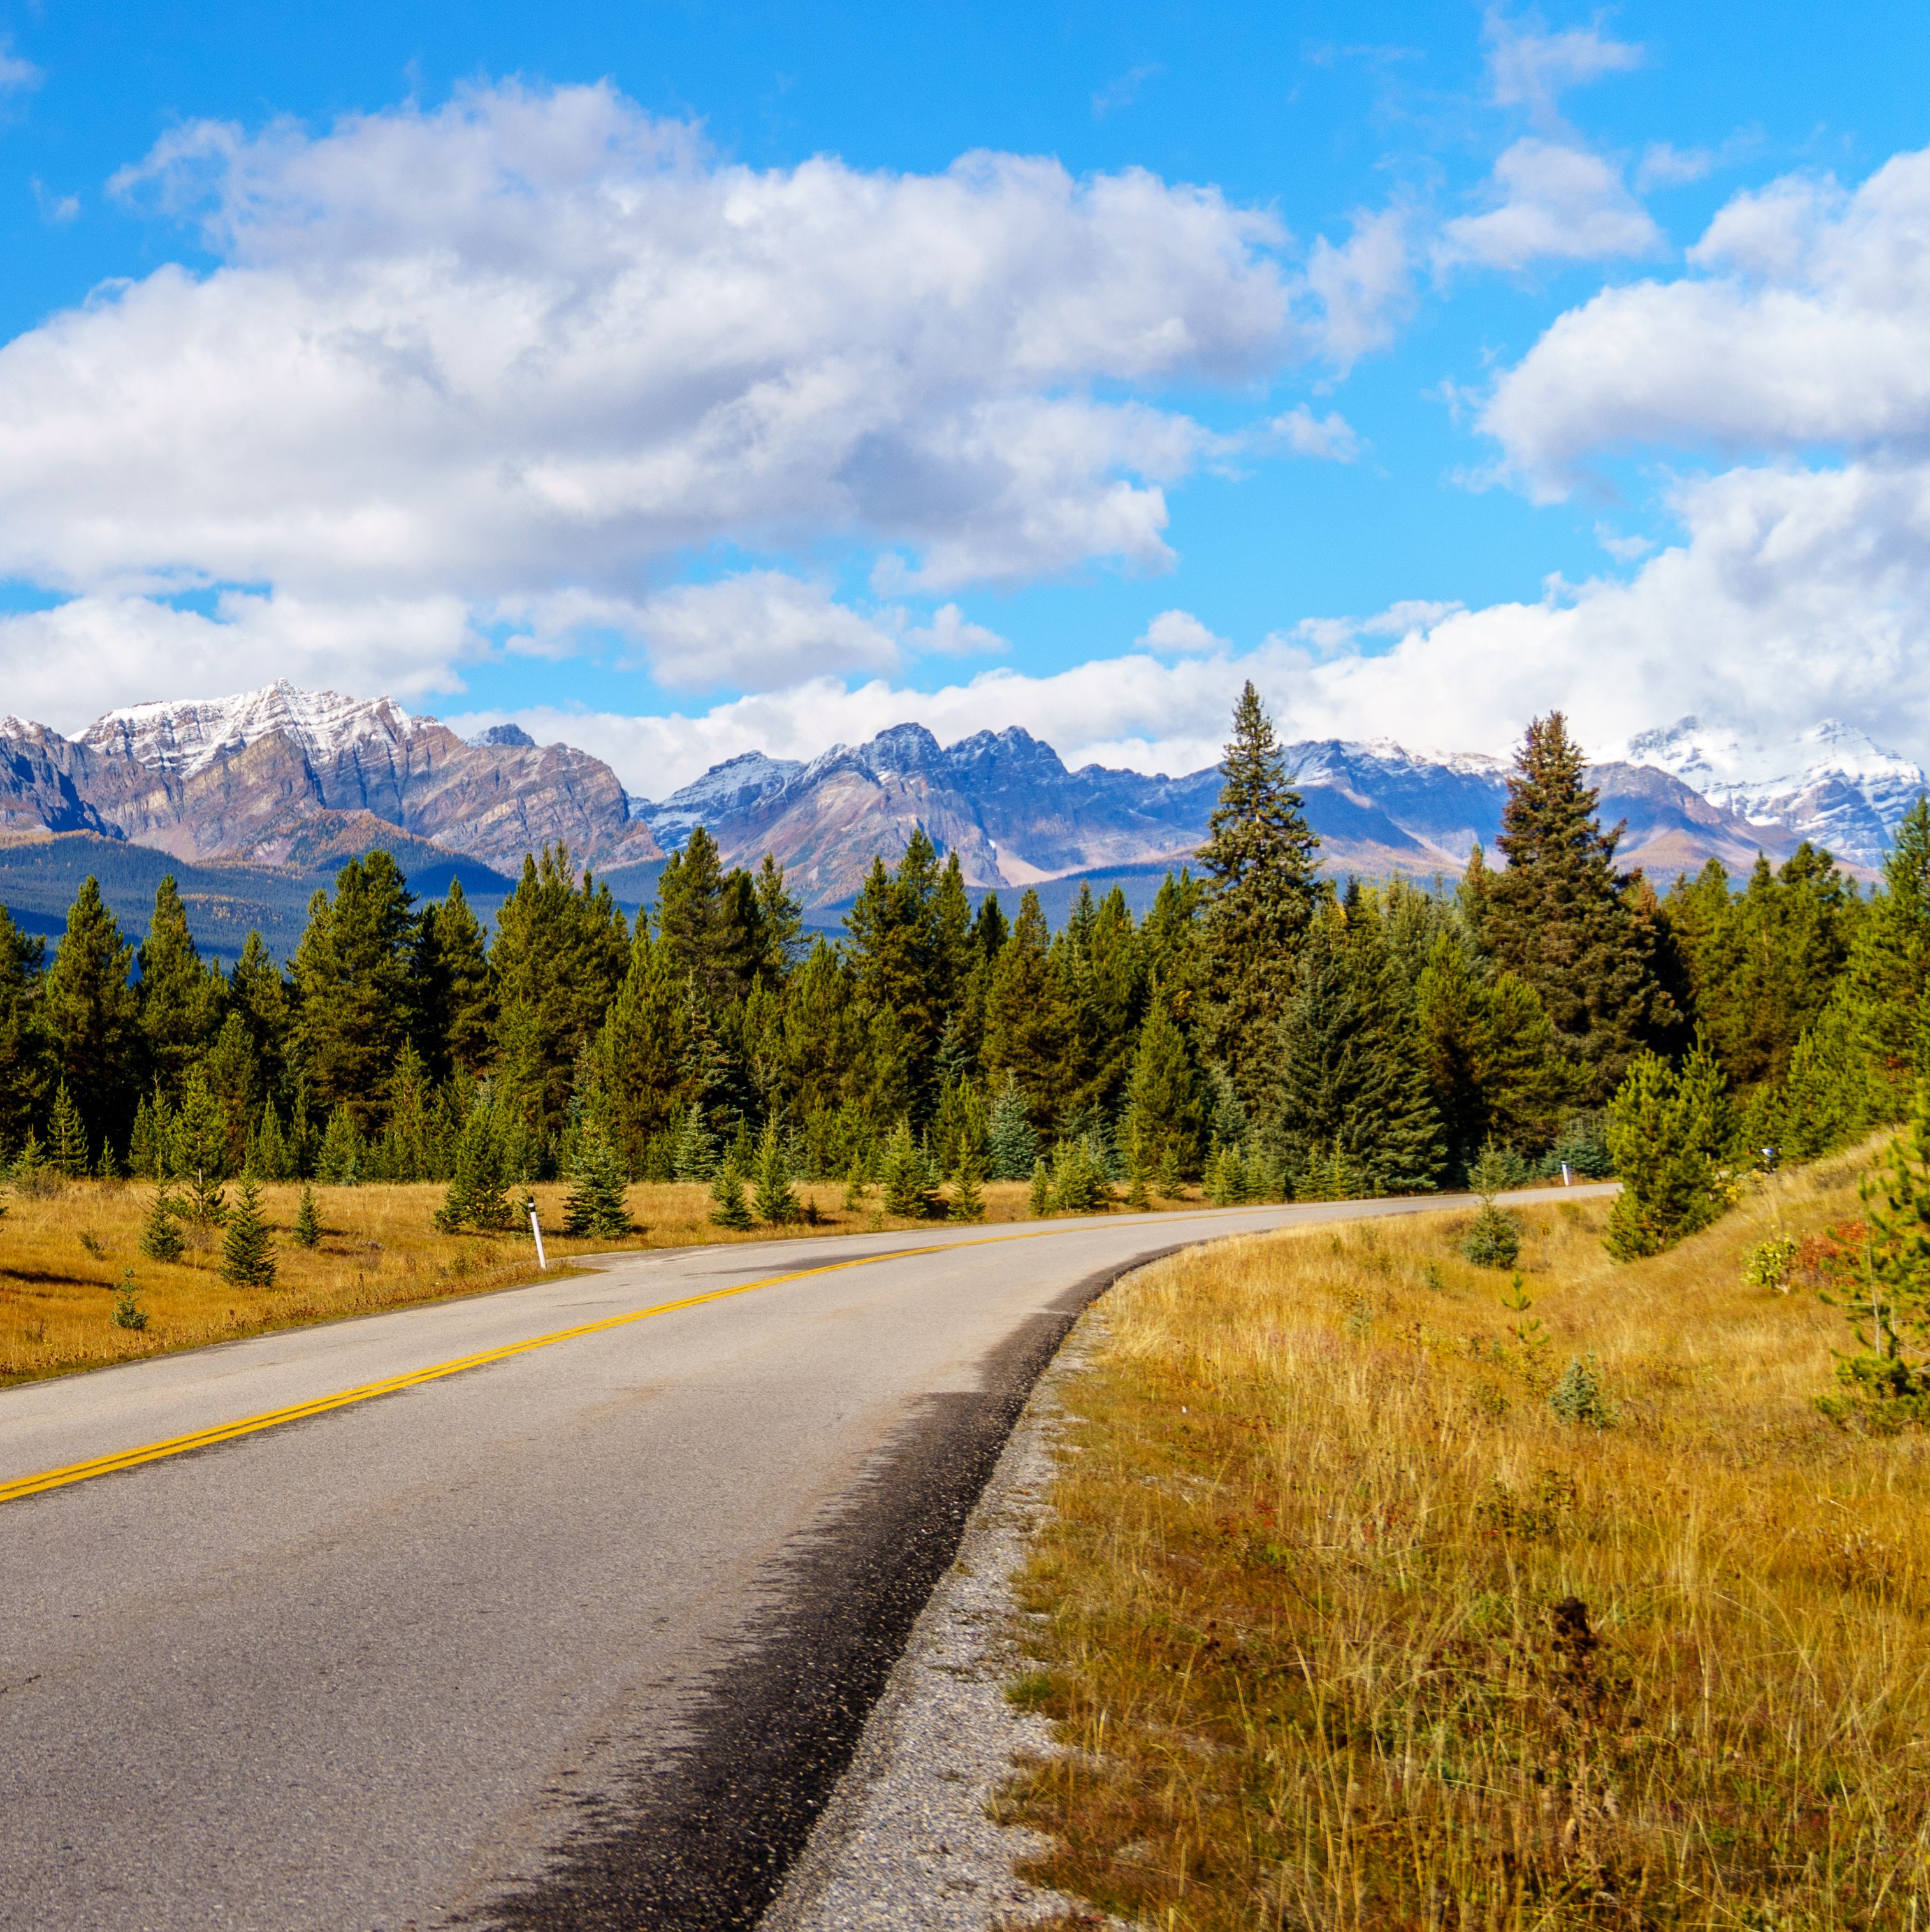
(1260, 1028)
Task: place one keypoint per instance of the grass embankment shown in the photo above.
(1343, 1626)
(62, 1257)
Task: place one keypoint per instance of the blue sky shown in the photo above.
(661, 377)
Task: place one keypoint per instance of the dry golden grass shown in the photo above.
(1304, 1624)
(62, 1257)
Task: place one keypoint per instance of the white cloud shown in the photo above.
(1179, 633)
(1804, 320)
(55, 209)
(1123, 92)
(16, 74)
(1664, 166)
(1792, 596)
(1553, 201)
(951, 634)
(1531, 69)
(535, 344)
(1330, 436)
(1364, 286)
(761, 627)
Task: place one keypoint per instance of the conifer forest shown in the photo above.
(1264, 1031)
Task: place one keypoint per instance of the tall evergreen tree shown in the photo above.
(690, 918)
(1347, 1083)
(180, 1001)
(26, 1052)
(454, 993)
(1263, 885)
(641, 1048)
(94, 1014)
(1165, 1116)
(257, 993)
(1024, 1017)
(353, 979)
(1888, 971)
(1561, 917)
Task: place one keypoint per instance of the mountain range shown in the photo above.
(296, 781)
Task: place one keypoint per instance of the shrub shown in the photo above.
(1767, 1265)
(1578, 1398)
(1671, 1133)
(1582, 1147)
(128, 1312)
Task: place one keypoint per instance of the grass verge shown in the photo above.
(63, 1255)
(1342, 1625)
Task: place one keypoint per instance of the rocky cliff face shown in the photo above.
(264, 775)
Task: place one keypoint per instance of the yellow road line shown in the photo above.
(272, 1418)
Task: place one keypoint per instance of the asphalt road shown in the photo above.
(579, 1637)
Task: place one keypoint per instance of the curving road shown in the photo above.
(578, 1636)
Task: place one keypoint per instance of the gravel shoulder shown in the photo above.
(905, 1840)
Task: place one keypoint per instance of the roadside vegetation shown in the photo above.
(78, 1289)
(1388, 1589)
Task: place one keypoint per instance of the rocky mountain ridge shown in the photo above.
(294, 778)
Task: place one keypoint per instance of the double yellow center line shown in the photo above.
(273, 1418)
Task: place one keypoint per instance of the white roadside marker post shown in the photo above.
(536, 1229)
(1566, 1180)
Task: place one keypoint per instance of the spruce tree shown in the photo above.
(1039, 1203)
(1263, 885)
(269, 1156)
(307, 1219)
(696, 1148)
(180, 998)
(67, 1140)
(340, 1162)
(1672, 1134)
(1012, 1142)
(778, 1205)
(248, 1254)
(477, 1196)
(92, 1012)
(1564, 920)
(257, 992)
(1025, 1014)
(31, 1172)
(729, 1208)
(641, 1049)
(161, 1232)
(1079, 1180)
(598, 1201)
(1164, 1109)
(455, 992)
(908, 1187)
(968, 1204)
(26, 1050)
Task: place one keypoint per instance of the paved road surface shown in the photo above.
(578, 1638)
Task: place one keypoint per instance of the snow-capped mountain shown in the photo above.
(1832, 784)
(185, 736)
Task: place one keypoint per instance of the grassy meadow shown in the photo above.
(63, 1255)
(1343, 1625)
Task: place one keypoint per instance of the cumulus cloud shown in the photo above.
(1792, 596)
(759, 627)
(1553, 201)
(951, 634)
(1174, 633)
(1804, 319)
(536, 343)
(1331, 437)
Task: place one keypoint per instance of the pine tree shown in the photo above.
(340, 1162)
(1079, 1180)
(1672, 1134)
(1889, 972)
(67, 1141)
(1165, 1110)
(307, 1219)
(26, 1050)
(908, 1187)
(1563, 919)
(248, 1254)
(92, 1012)
(1349, 1083)
(730, 1208)
(180, 998)
(1137, 1197)
(597, 1203)
(696, 1148)
(477, 1196)
(1025, 1013)
(268, 1156)
(160, 1232)
(778, 1204)
(968, 1203)
(31, 1173)
(1263, 887)
(1012, 1143)
(1039, 1203)
(454, 993)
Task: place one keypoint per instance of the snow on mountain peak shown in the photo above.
(184, 735)
(1832, 783)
